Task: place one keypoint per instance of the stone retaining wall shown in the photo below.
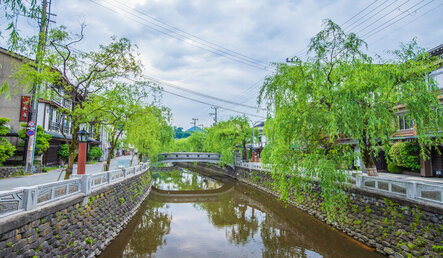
(75, 226)
(8, 171)
(395, 226)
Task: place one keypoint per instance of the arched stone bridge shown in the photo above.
(174, 157)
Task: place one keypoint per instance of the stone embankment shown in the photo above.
(394, 226)
(80, 225)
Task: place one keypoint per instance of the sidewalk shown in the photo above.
(53, 175)
(427, 180)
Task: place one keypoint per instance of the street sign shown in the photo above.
(31, 123)
(29, 133)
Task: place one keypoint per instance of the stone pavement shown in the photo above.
(54, 175)
(427, 180)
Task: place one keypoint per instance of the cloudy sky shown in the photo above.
(223, 48)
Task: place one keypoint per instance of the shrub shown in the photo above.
(394, 168)
(6, 148)
(95, 153)
(63, 152)
(406, 155)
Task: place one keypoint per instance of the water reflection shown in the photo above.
(239, 223)
(183, 180)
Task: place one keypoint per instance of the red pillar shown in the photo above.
(81, 158)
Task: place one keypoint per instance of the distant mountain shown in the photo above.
(194, 129)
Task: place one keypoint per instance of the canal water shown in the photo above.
(192, 215)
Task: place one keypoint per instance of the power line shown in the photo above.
(374, 22)
(356, 26)
(197, 93)
(206, 103)
(369, 34)
(400, 27)
(186, 40)
(368, 13)
(358, 13)
(189, 34)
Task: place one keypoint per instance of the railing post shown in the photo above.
(108, 177)
(411, 190)
(124, 172)
(85, 184)
(29, 198)
(359, 180)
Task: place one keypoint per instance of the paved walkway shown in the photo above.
(54, 175)
(429, 180)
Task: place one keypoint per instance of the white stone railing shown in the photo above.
(28, 198)
(407, 188)
(189, 157)
(253, 165)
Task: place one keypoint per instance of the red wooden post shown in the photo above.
(81, 158)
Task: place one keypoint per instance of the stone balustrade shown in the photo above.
(28, 198)
(190, 157)
(406, 188)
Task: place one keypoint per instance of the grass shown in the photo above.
(92, 162)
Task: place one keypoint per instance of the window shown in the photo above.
(404, 122)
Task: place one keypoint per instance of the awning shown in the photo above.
(11, 133)
(93, 141)
(59, 136)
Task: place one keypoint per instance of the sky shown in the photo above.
(225, 49)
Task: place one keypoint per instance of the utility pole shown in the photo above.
(31, 130)
(214, 114)
(194, 122)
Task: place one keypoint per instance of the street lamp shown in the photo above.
(82, 137)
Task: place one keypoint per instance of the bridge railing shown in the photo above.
(28, 198)
(406, 188)
(189, 156)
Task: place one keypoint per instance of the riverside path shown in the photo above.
(53, 175)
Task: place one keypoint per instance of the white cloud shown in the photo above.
(266, 30)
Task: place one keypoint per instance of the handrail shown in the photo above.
(28, 198)
(406, 188)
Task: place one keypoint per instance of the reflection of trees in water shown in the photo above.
(230, 213)
(278, 243)
(179, 180)
(242, 221)
(149, 234)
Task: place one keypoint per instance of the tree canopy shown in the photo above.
(227, 136)
(342, 95)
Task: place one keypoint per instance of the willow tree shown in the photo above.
(342, 95)
(149, 132)
(75, 76)
(226, 136)
(114, 109)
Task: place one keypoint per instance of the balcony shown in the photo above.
(66, 129)
(54, 126)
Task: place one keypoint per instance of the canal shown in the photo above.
(192, 215)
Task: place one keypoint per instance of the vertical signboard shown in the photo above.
(25, 105)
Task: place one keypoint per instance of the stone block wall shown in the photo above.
(8, 171)
(78, 226)
(394, 226)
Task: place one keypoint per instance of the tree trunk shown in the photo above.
(132, 159)
(245, 151)
(371, 169)
(111, 153)
(72, 152)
